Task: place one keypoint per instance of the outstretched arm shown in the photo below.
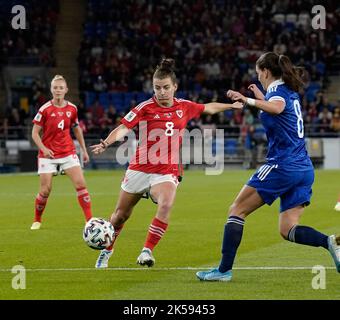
(273, 107)
(114, 136)
(215, 107)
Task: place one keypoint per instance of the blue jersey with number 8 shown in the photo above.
(285, 131)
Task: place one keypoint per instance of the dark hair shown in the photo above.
(280, 66)
(166, 69)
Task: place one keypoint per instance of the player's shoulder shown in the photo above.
(45, 106)
(71, 105)
(183, 101)
(145, 104)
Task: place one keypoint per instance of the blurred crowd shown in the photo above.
(33, 45)
(215, 44)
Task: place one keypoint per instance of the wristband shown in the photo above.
(251, 102)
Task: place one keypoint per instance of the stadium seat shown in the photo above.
(230, 147)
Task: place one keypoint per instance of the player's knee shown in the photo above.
(164, 207)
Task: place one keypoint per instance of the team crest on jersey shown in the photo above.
(130, 116)
(179, 113)
(68, 114)
(37, 117)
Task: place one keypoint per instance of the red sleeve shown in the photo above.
(39, 119)
(194, 109)
(75, 121)
(132, 118)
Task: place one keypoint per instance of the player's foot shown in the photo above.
(146, 258)
(337, 206)
(334, 249)
(214, 275)
(36, 225)
(103, 259)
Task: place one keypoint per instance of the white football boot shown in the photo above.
(337, 206)
(146, 258)
(36, 225)
(103, 259)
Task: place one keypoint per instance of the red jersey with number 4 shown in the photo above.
(56, 123)
(160, 134)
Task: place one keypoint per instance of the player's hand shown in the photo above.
(236, 96)
(257, 92)
(237, 105)
(48, 153)
(99, 148)
(86, 157)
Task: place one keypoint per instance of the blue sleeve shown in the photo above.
(277, 94)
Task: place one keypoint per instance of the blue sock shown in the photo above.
(233, 230)
(308, 236)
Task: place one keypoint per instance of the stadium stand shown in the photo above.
(215, 44)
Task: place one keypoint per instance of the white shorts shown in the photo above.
(46, 165)
(141, 182)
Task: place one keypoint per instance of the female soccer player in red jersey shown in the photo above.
(56, 148)
(162, 119)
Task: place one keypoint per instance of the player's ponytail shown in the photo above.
(166, 69)
(280, 66)
(291, 75)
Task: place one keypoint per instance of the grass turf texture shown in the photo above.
(60, 266)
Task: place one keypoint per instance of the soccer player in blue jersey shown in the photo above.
(288, 173)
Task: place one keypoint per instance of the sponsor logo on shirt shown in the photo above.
(156, 116)
(53, 114)
(130, 116)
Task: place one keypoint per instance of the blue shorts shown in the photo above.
(293, 187)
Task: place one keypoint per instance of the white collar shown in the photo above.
(275, 83)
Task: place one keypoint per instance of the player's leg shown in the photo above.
(291, 230)
(247, 201)
(74, 172)
(41, 198)
(164, 194)
(123, 211)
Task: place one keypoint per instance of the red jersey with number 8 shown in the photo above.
(56, 123)
(160, 134)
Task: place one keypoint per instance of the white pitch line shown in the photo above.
(160, 269)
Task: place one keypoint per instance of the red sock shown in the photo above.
(156, 231)
(40, 204)
(85, 202)
(117, 232)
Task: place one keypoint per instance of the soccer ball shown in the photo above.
(98, 233)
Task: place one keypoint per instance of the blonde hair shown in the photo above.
(58, 77)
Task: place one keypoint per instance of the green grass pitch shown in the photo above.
(60, 266)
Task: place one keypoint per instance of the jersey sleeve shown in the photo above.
(194, 109)
(132, 118)
(75, 121)
(39, 119)
(277, 95)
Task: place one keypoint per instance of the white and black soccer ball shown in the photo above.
(98, 233)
